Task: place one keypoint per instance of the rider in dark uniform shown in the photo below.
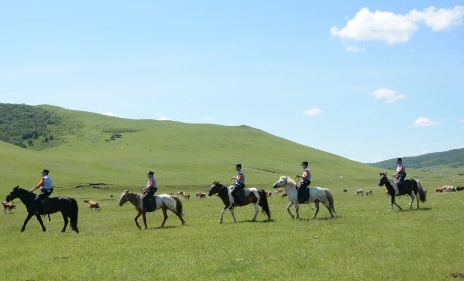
(239, 184)
(304, 183)
(46, 189)
(149, 190)
(400, 174)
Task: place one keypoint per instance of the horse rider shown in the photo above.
(149, 190)
(400, 174)
(304, 183)
(239, 183)
(46, 189)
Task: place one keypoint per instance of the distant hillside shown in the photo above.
(448, 159)
(95, 148)
(27, 126)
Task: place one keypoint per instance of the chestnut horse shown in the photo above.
(411, 187)
(163, 201)
(253, 196)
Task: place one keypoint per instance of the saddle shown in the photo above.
(45, 206)
(151, 205)
(303, 195)
(241, 198)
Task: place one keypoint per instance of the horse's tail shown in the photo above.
(420, 189)
(331, 199)
(263, 202)
(179, 206)
(74, 213)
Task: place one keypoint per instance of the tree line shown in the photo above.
(23, 125)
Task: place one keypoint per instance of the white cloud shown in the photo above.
(396, 28)
(461, 120)
(354, 49)
(438, 19)
(313, 112)
(425, 122)
(110, 113)
(388, 95)
(162, 117)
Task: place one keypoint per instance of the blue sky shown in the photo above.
(366, 80)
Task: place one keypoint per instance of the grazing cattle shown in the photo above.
(93, 205)
(284, 195)
(369, 192)
(446, 188)
(345, 190)
(359, 191)
(439, 190)
(268, 193)
(111, 195)
(201, 195)
(186, 195)
(8, 206)
(459, 188)
(387, 193)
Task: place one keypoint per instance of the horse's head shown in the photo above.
(124, 197)
(382, 179)
(283, 182)
(13, 194)
(214, 188)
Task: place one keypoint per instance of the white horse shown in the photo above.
(316, 195)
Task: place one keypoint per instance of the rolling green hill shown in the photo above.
(452, 159)
(117, 152)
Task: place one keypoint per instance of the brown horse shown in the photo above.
(163, 201)
(253, 196)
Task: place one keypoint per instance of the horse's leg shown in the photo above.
(165, 215)
(326, 204)
(65, 218)
(144, 217)
(222, 214)
(41, 222)
(393, 202)
(136, 218)
(29, 216)
(233, 214)
(178, 215)
(256, 211)
(316, 204)
(288, 209)
(412, 200)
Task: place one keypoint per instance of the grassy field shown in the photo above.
(364, 242)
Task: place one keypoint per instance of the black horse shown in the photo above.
(66, 205)
(410, 187)
(250, 196)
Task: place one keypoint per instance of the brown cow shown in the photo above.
(268, 193)
(284, 195)
(459, 188)
(93, 205)
(369, 192)
(8, 206)
(201, 195)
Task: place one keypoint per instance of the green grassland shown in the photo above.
(365, 241)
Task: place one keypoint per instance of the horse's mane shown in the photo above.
(289, 180)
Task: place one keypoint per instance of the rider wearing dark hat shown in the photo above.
(46, 189)
(149, 189)
(304, 183)
(239, 184)
(400, 174)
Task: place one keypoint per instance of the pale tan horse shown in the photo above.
(163, 201)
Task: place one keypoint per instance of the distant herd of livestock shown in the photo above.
(93, 205)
